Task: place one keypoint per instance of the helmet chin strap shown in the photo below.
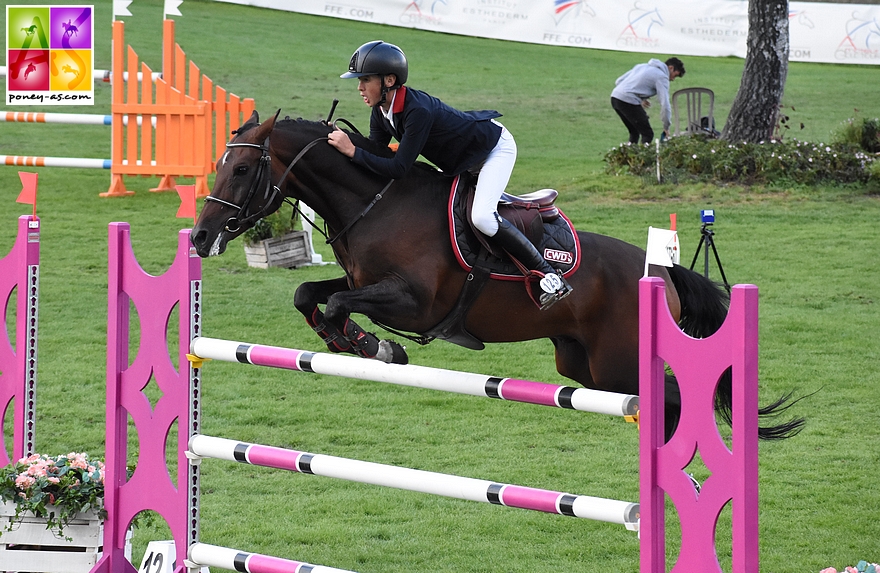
(384, 97)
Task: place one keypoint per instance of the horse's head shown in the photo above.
(243, 192)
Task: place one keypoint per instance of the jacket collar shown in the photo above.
(399, 97)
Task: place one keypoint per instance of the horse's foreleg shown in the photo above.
(388, 297)
(306, 300)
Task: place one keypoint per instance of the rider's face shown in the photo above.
(370, 88)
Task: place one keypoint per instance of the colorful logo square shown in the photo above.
(50, 55)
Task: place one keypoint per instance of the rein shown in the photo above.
(263, 173)
(361, 216)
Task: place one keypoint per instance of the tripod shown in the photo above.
(707, 237)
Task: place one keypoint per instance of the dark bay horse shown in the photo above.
(400, 270)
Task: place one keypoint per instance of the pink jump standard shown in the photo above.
(20, 270)
(734, 474)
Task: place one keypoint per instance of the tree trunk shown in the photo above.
(754, 113)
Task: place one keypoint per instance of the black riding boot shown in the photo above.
(553, 284)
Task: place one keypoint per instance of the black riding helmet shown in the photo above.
(378, 58)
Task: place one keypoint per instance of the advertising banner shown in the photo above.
(820, 32)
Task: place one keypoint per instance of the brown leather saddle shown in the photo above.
(534, 214)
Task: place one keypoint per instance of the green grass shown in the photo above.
(811, 251)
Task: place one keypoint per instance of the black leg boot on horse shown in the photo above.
(367, 345)
(516, 244)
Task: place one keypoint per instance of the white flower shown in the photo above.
(694, 156)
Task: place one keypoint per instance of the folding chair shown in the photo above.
(700, 103)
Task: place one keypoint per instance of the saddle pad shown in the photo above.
(559, 245)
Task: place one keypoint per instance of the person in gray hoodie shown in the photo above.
(632, 90)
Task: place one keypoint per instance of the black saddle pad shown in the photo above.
(559, 245)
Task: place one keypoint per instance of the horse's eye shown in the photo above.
(241, 170)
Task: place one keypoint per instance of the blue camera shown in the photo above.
(707, 216)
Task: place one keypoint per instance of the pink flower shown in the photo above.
(24, 481)
(828, 570)
(56, 480)
(77, 460)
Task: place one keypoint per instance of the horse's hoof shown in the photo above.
(392, 352)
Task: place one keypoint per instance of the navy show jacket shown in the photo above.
(453, 140)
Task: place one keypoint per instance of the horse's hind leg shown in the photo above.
(572, 361)
(306, 300)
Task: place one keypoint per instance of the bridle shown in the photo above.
(234, 223)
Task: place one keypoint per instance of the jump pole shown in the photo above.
(582, 399)
(41, 161)
(470, 489)
(234, 560)
(63, 118)
(20, 269)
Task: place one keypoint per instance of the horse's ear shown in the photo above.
(264, 129)
(277, 113)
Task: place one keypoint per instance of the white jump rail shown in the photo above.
(202, 554)
(582, 399)
(469, 489)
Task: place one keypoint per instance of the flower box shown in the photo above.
(288, 251)
(30, 547)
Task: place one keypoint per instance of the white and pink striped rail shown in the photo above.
(470, 489)
(202, 554)
(582, 399)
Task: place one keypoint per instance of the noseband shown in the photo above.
(234, 223)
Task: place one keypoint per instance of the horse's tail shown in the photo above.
(704, 306)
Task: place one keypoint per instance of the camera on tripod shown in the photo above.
(707, 216)
(707, 240)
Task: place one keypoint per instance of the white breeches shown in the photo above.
(492, 182)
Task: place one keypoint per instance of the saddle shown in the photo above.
(535, 215)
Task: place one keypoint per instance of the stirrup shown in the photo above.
(548, 299)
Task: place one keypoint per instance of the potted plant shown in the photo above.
(274, 242)
(52, 510)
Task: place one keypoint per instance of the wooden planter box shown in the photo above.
(289, 251)
(31, 548)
